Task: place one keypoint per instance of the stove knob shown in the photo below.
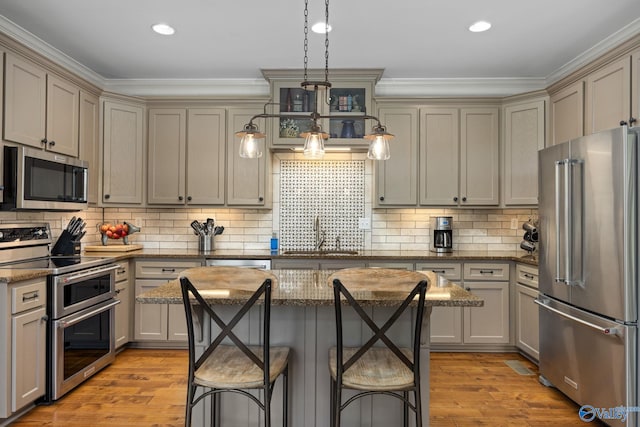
(1, 235)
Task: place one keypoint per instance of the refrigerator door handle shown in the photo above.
(568, 214)
(605, 331)
(559, 165)
(572, 221)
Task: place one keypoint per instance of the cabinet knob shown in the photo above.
(464, 199)
(189, 198)
(632, 120)
(382, 198)
(44, 318)
(180, 198)
(467, 289)
(106, 196)
(455, 199)
(261, 199)
(43, 140)
(52, 143)
(623, 123)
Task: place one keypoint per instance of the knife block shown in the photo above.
(65, 245)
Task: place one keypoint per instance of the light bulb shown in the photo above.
(379, 148)
(314, 146)
(250, 147)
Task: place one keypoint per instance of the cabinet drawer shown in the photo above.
(163, 269)
(450, 271)
(28, 296)
(527, 275)
(122, 273)
(477, 271)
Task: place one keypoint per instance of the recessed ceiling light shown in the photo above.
(480, 26)
(164, 29)
(319, 27)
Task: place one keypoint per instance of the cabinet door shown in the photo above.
(28, 357)
(396, 179)
(608, 99)
(177, 326)
(479, 156)
(167, 151)
(206, 156)
(488, 324)
(123, 153)
(439, 162)
(150, 319)
(25, 102)
(567, 113)
(122, 311)
(446, 325)
(635, 87)
(524, 135)
(527, 329)
(89, 140)
(63, 100)
(246, 178)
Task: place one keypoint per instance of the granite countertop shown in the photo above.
(230, 286)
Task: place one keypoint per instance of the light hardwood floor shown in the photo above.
(148, 387)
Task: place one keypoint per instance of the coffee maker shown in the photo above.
(441, 238)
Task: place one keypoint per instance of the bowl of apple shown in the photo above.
(116, 231)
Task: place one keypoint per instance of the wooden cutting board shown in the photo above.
(113, 248)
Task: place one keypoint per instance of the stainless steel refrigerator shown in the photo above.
(588, 209)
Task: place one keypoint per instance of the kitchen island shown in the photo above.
(302, 318)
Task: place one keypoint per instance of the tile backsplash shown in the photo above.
(338, 188)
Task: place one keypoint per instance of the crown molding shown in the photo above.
(596, 51)
(43, 48)
(470, 87)
(188, 87)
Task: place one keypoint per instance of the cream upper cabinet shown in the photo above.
(89, 140)
(439, 156)
(25, 101)
(567, 113)
(166, 156)
(524, 135)
(479, 156)
(248, 182)
(396, 179)
(123, 149)
(186, 156)
(41, 110)
(206, 155)
(608, 96)
(635, 87)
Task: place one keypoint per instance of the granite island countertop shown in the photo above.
(303, 288)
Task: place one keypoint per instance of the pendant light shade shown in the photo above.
(314, 142)
(252, 142)
(379, 146)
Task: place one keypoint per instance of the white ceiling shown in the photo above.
(410, 39)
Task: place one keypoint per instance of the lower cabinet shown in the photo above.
(159, 322)
(527, 327)
(23, 339)
(487, 325)
(123, 310)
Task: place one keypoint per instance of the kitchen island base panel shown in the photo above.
(310, 332)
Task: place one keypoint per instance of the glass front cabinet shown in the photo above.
(350, 97)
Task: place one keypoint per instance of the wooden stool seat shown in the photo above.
(228, 367)
(379, 369)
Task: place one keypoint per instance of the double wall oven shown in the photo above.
(80, 304)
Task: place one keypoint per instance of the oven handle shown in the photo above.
(87, 273)
(79, 317)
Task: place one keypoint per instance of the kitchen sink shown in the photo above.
(320, 252)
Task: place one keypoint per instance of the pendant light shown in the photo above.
(252, 138)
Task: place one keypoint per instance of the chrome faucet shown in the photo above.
(320, 235)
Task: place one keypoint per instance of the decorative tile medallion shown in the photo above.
(331, 190)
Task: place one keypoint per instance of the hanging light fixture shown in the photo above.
(251, 142)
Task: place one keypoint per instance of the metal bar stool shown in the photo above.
(388, 370)
(233, 368)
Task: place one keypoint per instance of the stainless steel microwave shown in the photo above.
(36, 179)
